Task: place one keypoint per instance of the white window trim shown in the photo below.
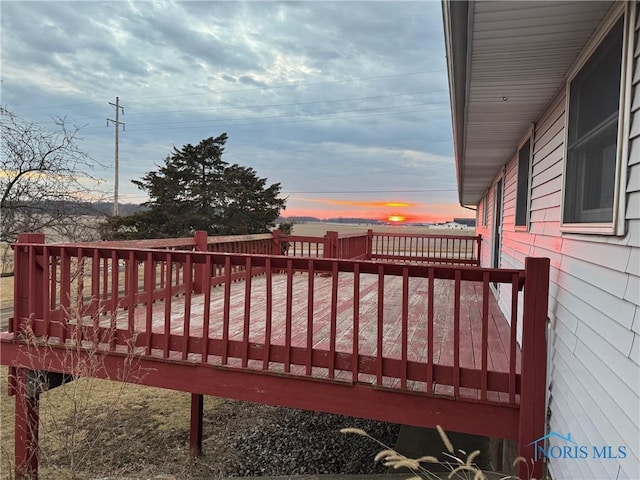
(618, 225)
(485, 212)
(528, 136)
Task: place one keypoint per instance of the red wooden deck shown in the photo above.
(420, 344)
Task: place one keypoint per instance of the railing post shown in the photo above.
(276, 248)
(534, 363)
(479, 242)
(26, 277)
(369, 247)
(330, 249)
(200, 277)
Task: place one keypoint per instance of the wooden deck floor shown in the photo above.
(310, 324)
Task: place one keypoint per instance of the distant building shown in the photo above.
(469, 222)
(451, 225)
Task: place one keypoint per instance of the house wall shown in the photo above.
(594, 312)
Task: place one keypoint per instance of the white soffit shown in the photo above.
(520, 55)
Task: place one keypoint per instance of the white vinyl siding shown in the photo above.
(594, 303)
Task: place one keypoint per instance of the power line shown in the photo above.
(271, 117)
(215, 124)
(375, 191)
(216, 92)
(291, 85)
(291, 104)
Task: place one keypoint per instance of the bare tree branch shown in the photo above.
(44, 175)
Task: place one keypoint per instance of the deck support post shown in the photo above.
(479, 247)
(195, 434)
(532, 423)
(26, 425)
(200, 279)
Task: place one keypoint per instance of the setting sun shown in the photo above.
(395, 218)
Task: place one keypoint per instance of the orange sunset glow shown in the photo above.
(392, 211)
(396, 218)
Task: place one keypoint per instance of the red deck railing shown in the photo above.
(426, 248)
(305, 304)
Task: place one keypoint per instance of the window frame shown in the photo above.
(528, 137)
(485, 209)
(626, 11)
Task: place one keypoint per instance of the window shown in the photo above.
(485, 209)
(522, 195)
(592, 135)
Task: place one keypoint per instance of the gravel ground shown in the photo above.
(259, 440)
(239, 439)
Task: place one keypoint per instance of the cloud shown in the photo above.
(320, 96)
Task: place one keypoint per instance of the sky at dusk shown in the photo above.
(344, 103)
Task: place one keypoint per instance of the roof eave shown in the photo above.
(455, 15)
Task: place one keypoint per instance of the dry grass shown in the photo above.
(141, 429)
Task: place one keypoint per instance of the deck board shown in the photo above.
(321, 308)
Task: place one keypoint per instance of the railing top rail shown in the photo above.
(299, 263)
(426, 235)
(352, 235)
(301, 238)
(212, 240)
(134, 244)
(164, 242)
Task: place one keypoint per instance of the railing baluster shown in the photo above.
(513, 339)
(225, 314)
(53, 293)
(405, 327)
(380, 325)
(149, 285)
(247, 312)
(65, 291)
(456, 335)
(31, 283)
(45, 290)
(132, 293)
(430, 320)
(485, 336)
(207, 310)
(310, 305)
(269, 314)
(113, 326)
(167, 265)
(334, 319)
(80, 287)
(105, 284)
(288, 317)
(355, 361)
(95, 309)
(186, 325)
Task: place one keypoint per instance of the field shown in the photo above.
(319, 229)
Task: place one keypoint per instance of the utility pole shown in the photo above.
(117, 124)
